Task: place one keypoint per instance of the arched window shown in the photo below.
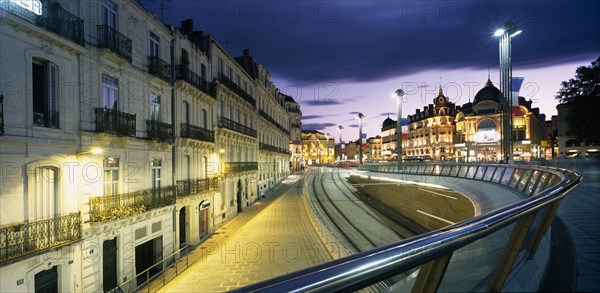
(487, 124)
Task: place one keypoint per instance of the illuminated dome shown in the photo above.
(488, 93)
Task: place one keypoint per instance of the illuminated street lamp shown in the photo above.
(340, 142)
(505, 34)
(399, 95)
(360, 116)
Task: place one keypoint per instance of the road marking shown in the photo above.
(440, 194)
(435, 217)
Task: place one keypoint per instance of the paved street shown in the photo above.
(271, 238)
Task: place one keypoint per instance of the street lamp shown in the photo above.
(505, 33)
(399, 95)
(360, 116)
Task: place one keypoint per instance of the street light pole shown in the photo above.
(360, 116)
(327, 145)
(399, 94)
(506, 33)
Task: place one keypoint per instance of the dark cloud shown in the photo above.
(387, 114)
(369, 41)
(328, 102)
(317, 126)
(307, 117)
(354, 113)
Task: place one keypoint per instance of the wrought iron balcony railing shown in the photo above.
(52, 17)
(30, 237)
(194, 79)
(159, 68)
(234, 167)
(272, 148)
(237, 89)
(120, 206)
(115, 41)
(45, 118)
(272, 121)
(113, 121)
(1, 114)
(198, 185)
(159, 130)
(197, 133)
(230, 124)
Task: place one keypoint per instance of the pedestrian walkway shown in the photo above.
(271, 238)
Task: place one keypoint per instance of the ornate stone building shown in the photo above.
(317, 148)
(295, 143)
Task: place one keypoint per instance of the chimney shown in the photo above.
(246, 52)
(187, 26)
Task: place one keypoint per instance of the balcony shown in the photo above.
(120, 206)
(1, 114)
(115, 122)
(159, 131)
(198, 185)
(197, 133)
(115, 41)
(194, 79)
(159, 68)
(272, 148)
(272, 121)
(30, 237)
(53, 18)
(237, 89)
(234, 167)
(232, 125)
(46, 118)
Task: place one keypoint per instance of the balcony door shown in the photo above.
(108, 14)
(110, 92)
(43, 194)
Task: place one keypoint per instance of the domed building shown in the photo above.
(478, 128)
(389, 138)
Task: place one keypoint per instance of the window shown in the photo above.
(203, 72)
(154, 45)
(220, 108)
(44, 193)
(230, 73)
(108, 14)
(185, 168)
(237, 77)
(45, 94)
(156, 168)
(154, 107)
(220, 66)
(204, 119)
(185, 118)
(110, 92)
(111, 176)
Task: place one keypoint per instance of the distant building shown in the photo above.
(316, 148)
(373, 150)
(295, 142)
(568, 143)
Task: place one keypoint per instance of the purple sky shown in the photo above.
(339, 58)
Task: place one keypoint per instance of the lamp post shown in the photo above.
(399, 94)
(340, 142)
(360, 116)
(319, 150)
(506, 33)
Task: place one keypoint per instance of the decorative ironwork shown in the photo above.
(120, 206)
(234, 167)
(194, 79)
(198, 185)
(197, 133)
(237, 89)
(30, 237)
(1, 114)
(115, 41)
(53, 18)
(272, 148)
(46, 118)
(159, 130)
(159, 68)
(272, 121)
(230, 124)
(113, 121)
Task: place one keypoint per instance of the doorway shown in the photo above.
(109, 264)
(202, 220)
(239, 196)
(46, 281)
(146, 255)
(182, 227)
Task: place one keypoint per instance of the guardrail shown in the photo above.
(525, 223)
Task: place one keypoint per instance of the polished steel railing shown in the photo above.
(517, 228)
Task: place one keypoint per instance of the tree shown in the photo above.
(582, 93)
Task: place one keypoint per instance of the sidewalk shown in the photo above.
(270, 238)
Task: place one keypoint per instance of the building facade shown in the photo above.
(569, 146)
(295, 123)
(123, 141)
(317, 148)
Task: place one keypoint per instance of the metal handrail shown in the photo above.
(366, 268)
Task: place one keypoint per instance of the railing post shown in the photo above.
(547, 219)
(431, 274)
(510, 253)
